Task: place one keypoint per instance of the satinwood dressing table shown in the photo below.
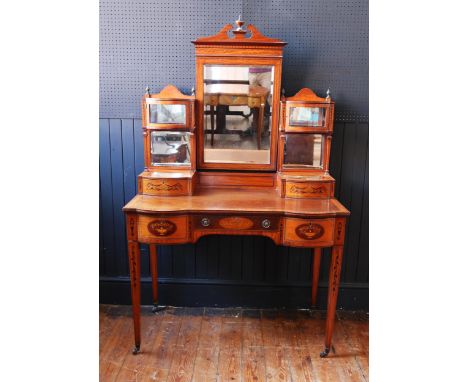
(264, 173)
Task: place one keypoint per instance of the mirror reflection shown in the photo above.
(167, 113)
(307, 116)
(237, 113)
(170, 148)
(303, 150)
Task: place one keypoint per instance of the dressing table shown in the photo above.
(270, 179)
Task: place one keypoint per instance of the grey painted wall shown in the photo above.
(148, 42)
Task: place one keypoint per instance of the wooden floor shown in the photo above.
(211, 344)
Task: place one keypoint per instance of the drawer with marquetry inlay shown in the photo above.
(167, 183)
(163, 229)
(315, 187)
(308, 232)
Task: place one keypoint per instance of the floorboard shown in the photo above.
(232, 344)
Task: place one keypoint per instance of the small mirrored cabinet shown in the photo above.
(306, 129)
(169, 140)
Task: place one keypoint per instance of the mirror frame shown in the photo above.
(238, 50)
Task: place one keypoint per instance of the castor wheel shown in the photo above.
(324, 353)
(136, 350)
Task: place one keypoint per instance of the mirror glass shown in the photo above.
(307, 116)
(237, 113)
(170, 148)
(303, 150)
(167, 113)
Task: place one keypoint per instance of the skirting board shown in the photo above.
(227, 293)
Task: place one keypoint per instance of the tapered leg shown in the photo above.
(316, 274)
(261, 112)
(134, 262)
(154, 272)
(333, 287)
(154, 277)
(212, 123)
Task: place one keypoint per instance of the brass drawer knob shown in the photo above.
(266, 223)
(205, 222)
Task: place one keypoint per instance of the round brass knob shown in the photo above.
(266, 223)
(205, 222)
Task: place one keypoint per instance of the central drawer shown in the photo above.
(235, 223)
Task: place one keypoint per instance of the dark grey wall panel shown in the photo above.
(235, 264)
(147, 42)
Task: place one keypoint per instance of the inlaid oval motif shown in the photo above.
(236, 222)
(309, 231)
(161, 227)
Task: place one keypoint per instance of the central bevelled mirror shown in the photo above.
(237, 113)
(238, 81)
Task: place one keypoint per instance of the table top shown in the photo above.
(228, 200)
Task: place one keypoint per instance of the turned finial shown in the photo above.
(193, 91)
(148, 90)
(328, 94)
(239, 23)
(239, 31)
(283, 92)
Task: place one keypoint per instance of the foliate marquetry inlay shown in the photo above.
(339, 230)
(336, 273)
(131, 224)
(310, 231)
(307, 189)
(163, 186)
(161, 227)
(295, 189)
(133, 264)
(236, 222)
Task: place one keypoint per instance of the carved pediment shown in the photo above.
(231, 35)
(307, 95)
(170, 92)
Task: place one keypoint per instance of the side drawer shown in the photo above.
(163, 229)
(294, 189)
(166, 187)
(308, 232)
